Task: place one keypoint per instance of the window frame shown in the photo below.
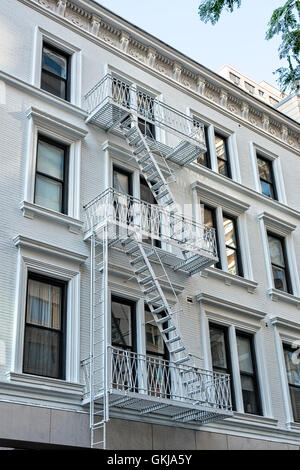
(133, 313)
(207, 154)
(287, 347)
(229, 369)
(286, 263)
(238, 244)
(31, 275)
(66, 80)
(213, 210)
(270, 164)
(255, 375)
(227, 153)
(65, 181)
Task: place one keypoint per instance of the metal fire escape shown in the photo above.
(118, 378)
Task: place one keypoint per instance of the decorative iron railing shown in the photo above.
(115, 91)
(146, 221)
(159, 378)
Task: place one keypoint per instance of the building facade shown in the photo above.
(150, 243)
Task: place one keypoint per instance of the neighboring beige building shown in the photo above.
(289, 105)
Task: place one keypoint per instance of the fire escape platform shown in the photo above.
(111, 101)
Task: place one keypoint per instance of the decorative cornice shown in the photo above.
(284, 323)
(277, 295)
(171, 64)
(208, 299)
(275, 224)
(67, 129)
(212, 196)
(230, 279)
(21, 241)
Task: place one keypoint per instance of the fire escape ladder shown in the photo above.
(150, 169)
(164, 315)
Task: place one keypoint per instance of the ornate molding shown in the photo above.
(233, 101)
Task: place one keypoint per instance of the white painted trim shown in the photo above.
(213, 196)
(41, 35)
(237, 385)
(251, 315)
(31, 260)
(262, 372)
(64, 132)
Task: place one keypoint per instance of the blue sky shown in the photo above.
(237, 39)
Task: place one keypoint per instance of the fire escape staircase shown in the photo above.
(197, 388)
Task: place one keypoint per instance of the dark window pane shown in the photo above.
(295, 399)
(244, 353)
(220, 147)
(48, 193)
(229, 232)
(208, 217)
(279, 279)
(121, 181)
(50, 160)
(218, 348)
(232, 261)
(223, 167)
(267, 189)
(41, 352)
(54, 62)
(54, 85)
(154, 340)
(292, 361)
(121, 327)
(44, 304)
(249, 395)
(264, 168)
(276, 251)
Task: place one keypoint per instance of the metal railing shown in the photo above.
(112, 90)
(146, 221)
(159, 378)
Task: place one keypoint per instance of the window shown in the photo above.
(210, 221)
(51, 175)
(234, 78)
(220, 355)
(266, 176)
(293, 376)
(55, 76)
(123, 328)
(279, 266)
(121, 92)
(232, 245)
(250, 88)
(250, 390)
(145, 106)
(44, 344)
(204, 158)
(222, 155)
(261, 93)
(122, 181)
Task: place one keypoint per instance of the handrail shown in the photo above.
(149, 221)
(113, 90)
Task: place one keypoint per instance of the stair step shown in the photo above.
(168, 202)
(153, 176)
(169, 329)
(181, 361)
(145, 280)
(157, 185)
(135, 141)
(173, 340)
(144, 158)
(127, 241)
(130, 132)
(141, 270)
(162, 194)
(191, 381)
(132, 250)
(150, 289)
(155, 299)
(139, 149)
(137, 260)
(159, 310)
(163, 319)
(177, 350)
(149, 167)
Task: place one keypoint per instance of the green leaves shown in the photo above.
(210, 10)
(284, 21)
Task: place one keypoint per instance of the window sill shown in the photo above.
(295, 426)
(277, 295)
(230, 279)
(31, 210)
(45, 383)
